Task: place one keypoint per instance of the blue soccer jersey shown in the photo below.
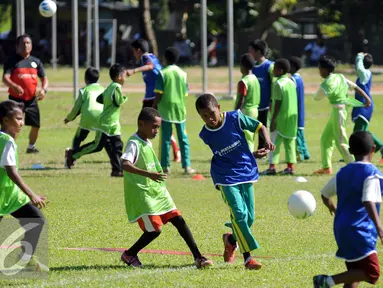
(363, 112)
(150, 77)
(354, 231)
(233, 163)
(262, 71)
(301, 99)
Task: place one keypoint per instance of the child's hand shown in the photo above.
(38, 201)
(367, 103)
(18, 90)
(157, 177)
(130, 72)
(260, 153)
(270, 146)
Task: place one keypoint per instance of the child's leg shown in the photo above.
(142, 242)
(301, 145)
(340, 133)
(276, 153)
(290, 151)
(362, 125)
(80, 136)
(186, 234)
(166, 134)
(26, 215)
(176, 149)
(262, 117)
(113, 147)
(327, 144)
(184, 144)
(92, 147)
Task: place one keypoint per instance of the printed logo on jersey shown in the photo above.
(34, 65)
(228, 149)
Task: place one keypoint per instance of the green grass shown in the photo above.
(86, 209)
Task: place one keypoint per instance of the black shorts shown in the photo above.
(31, 111)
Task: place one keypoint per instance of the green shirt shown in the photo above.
(171, 83)
(109, 120)
(284, 90)
(336, 88)
(253, 95)
(87, 106)
(11, 196)
(144, 196)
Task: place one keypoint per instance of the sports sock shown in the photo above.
(186, 234)
(232, 240)
(31, 146)
(330, 281)
(141, 243)
(246, 256)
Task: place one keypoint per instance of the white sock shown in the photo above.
(330, 281)
(31, 146)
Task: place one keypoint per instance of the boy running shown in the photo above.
(171, 89)
(248, 94)
(295, 66)
(358, 187)
(335, 87)
(147, 201)
(87, 106)
(233, 170)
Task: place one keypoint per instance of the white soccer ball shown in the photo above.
(47, 8)
(301, 204)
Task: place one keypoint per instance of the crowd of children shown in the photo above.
(265, 86)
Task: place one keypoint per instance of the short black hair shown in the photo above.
(172, 55)
(148, 114)
(115, 70)
(367, 61)
(141, 44)
(295, 62)
(361, 143)
(327, 62)
(22, 37)
(283, 64)
(259, 45)
(8, 108)
(91, 75)
(247, 61)
(205, 101)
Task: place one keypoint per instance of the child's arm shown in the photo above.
(242, 92)
(130, 168)
(359, 91)
(327, 192)
(38, 201)
(76, 110)
(363, 73)
(277, 108)
(147, 67)
(100, 98)
(118, 97)
(373, 214)
(320, 94)
(159, 89)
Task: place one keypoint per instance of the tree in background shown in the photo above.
(148, 28)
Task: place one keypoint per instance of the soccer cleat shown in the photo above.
(116, 174)
(269, 172)
(287, 171)
(320, 281)
(323, 171)
(203, 262)
(69, 162)
(189, 170)
(32, 150)
(229, 252)
(131, 260)
(253, 264)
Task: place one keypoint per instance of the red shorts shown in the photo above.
(151, 223)
(369, 265)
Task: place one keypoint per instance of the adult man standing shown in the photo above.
(20, 76)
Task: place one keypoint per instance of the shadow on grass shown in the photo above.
(112, 267)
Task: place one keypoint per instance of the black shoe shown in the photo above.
(69, 162)
(270, 172)
(287, 171)
(32, 150)
(116, 174)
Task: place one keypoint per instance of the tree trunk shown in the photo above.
(265, 19)
(148, 26)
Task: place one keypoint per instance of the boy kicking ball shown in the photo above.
(359, 187)
(147, 201)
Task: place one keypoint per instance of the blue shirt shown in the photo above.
(355, 232)
(301, 99)
(363, 112)
(150, 77)
(263, 74)
(233, 163)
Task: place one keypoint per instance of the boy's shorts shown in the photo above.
(153, 223)
(369, 265)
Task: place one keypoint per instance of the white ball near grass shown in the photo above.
(47, 8)
(301, 204)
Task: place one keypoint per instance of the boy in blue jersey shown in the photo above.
(358, 187)
(361, 116)
(263, 70)
(150, 68)
(234, 170)
(295, 66)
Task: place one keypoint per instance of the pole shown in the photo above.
(54, 41)
(18, 17)
(96, 55)
(75, 46)
(204, 44)
(22, 17)
(89, 33)
(230, 39)
(114, 41)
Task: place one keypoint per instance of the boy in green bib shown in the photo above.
(147, 201)
(335, 88)
(86, 106)
(171, 91)
(284, 119)
(248, 94)
(16, 198)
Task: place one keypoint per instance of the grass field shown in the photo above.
(86, 209)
